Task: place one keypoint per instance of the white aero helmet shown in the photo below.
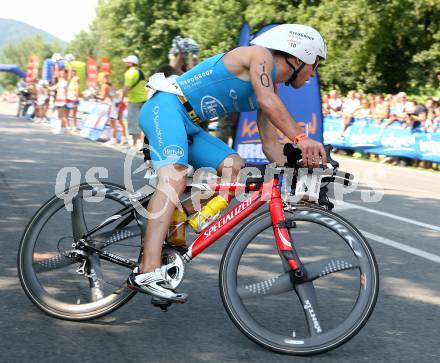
(301, 41)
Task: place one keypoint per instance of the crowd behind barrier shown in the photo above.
(384, 109)
(60, 97)
(61, 100)
(66, 109)
(389, 125)
(402, 129)
(364, 134)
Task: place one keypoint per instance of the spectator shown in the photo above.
(350, 106)
(177, 63)
(335, 103)
(135, 89)
(73, 94)
(32, 88)
(436, 120)
(364, 111)
(432, 119)
(107, 94)
(52, 93)
(397, 110)
(429, 104)
(166, 69)
(183, 54)
(61, 101)
(381, 109)
(42, 101)
(324, 104)
(416, 114)
(371, 100)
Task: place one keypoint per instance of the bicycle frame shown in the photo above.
(267, 192)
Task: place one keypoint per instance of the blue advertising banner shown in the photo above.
(304, 105)
(366, 135)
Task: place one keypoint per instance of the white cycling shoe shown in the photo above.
(154, 284)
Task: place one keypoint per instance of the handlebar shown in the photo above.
(294, 160)
(294, 157)
(328, 173)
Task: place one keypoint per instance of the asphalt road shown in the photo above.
(403, 228)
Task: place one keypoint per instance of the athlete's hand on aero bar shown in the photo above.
(313, 153)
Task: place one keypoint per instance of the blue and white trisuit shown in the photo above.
(212, 91)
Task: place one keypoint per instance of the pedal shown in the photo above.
(161, 303)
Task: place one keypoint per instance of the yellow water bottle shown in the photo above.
(177, 230)
(208, 213)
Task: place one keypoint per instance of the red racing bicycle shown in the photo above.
(296, 278)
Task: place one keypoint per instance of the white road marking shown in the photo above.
(402, 247)
(389, 215)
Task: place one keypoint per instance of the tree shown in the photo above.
(124, 27)
(374, 46)
(377, 46)
(214, 24)
(84, 45)
(19, 54)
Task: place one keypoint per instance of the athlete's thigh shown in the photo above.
(207, 150)
(163, 125)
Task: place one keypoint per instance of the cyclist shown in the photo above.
(242, 79)
(183, 54)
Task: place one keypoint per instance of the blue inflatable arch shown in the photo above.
(12, 68)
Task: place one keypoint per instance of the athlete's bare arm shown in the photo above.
(260, 71)
(272, 148)
(255, 64)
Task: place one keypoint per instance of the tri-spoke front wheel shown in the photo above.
(322, 312)
(73, 284)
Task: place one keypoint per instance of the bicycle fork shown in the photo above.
(292, 263)
(282, 236)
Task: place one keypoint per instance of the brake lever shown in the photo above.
(328, 148)
(294, 157)
(344, 175)
(333, 179)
